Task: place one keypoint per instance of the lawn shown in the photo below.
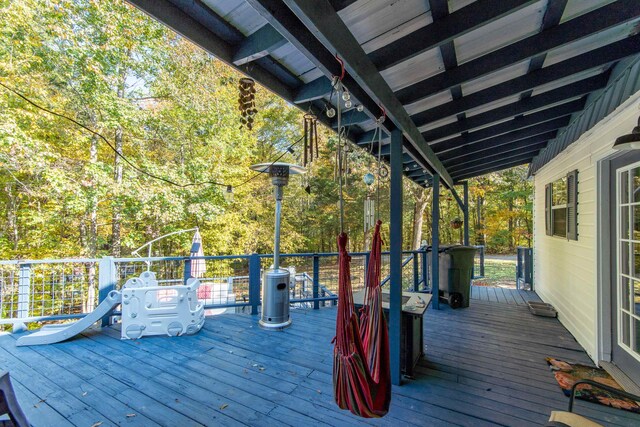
(498, 272)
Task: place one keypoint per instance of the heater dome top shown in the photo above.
(268, 167)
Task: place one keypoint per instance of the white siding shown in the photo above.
(565, 272)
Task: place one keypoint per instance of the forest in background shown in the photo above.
(81, 79)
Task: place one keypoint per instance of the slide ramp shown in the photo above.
(50, 334)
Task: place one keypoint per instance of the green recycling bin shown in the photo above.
(456, 273)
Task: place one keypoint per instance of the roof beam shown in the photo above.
(499, 144)
(600, 19)
(444, 30)
(267, 39)
(488, 161)
(512, 125)
(490, 169)
(259, 44)
(499, 152)
(551, 18)
(519, 107)
(371, 137)
(439, 33)
(290, 26)
(551, 125)
(181, 22)
(313, 90)
(351, 117)
(328, 27)
(587, 61)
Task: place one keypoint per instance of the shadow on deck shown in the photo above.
(484, 366)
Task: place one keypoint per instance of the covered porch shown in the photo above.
(483, 366)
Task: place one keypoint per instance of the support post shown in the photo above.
(425, 269)
(435, 244)
(107, 281)
(24, 296)
(316, 281)
(187, 271)
(416, 273)
(395, 256)
(465, 211)
(254, 282)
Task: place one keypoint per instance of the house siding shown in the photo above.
(566, 271)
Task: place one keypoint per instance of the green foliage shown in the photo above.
(173, 107)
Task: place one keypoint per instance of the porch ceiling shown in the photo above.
(475, 86)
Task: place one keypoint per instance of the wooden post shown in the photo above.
(254, 282)
(395, 256)
(107, 280)
(316, 281)
(435, 243)
(465, 211)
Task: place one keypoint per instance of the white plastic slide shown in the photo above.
(50, 334)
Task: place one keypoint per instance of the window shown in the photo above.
(561, 207)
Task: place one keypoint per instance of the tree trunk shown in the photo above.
(92, 234)
(12, 216)
(92, 237)
(419, 207)
(116, 240)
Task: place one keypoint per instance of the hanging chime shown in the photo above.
(246, 101)
(369, 204)
(310, 138)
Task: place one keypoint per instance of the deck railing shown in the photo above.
(55, 290)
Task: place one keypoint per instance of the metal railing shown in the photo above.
(56, 290)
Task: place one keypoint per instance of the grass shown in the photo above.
(497, 272)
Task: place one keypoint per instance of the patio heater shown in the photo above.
(275, 283)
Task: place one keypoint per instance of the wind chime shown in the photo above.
(310, 138)
(246, 101)
(371, 204)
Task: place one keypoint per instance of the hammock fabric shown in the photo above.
(361, 373)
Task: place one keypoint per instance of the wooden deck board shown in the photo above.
(484, 366)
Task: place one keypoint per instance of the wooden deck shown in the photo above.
(484, 366)
(504, 295)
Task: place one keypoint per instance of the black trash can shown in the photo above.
(456, 273)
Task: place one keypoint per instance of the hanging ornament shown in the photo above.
(383, 172)
(348, 104)
(246, 101)
(368, 178)
(331, 112)
(369, 213)
(310, 138)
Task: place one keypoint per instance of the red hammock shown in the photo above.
(361, 374)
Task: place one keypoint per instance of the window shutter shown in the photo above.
(572, 205)
(547, 210)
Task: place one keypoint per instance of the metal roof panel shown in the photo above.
(376, 23)
(501, 32)
(430, 102)
(500, 76)
(575, 8)
(568, 80)
(416, 69)
(591, 42)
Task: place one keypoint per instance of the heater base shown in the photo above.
(274, 326)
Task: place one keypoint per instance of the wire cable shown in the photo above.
(124, 158)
